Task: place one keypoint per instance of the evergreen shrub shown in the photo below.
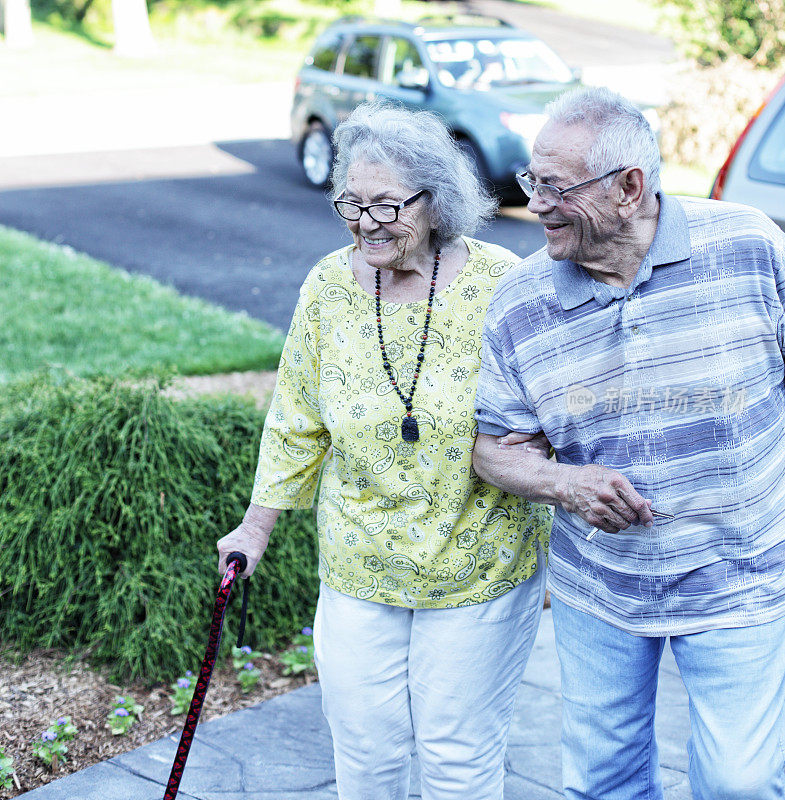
(112, 497)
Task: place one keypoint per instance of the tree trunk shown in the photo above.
(15, 23)
(132, 35)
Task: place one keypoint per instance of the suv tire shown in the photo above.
(475, 157)
(316, 155)
(470, 149)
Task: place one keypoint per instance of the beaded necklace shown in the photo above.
(410, 431)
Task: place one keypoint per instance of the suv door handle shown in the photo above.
(333, 90)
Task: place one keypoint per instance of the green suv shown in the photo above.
(490, 83)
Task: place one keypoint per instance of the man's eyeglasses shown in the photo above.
(378, 212)
(552, 195)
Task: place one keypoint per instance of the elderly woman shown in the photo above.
(432, 581)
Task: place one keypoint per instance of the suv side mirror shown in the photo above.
(413, 78)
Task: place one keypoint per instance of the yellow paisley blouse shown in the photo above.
(404, 523)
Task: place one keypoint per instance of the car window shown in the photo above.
(768, 163)
(402, 57)
(483, 63)
(361, 57)
(325, 53)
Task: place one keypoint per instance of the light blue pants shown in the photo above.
(735, 679)
(441, 682)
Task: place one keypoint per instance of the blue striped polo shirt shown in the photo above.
(677, 383)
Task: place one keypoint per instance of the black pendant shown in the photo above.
(409, 430)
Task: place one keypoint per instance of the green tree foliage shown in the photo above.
(712, 30)
(112, 497)
(71, 12)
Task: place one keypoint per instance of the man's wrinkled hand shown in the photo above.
(604, 498)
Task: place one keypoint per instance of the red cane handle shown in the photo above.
(232, 571)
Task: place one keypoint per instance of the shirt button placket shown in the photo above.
(635, 378)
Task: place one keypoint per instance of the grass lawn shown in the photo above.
(64, 311)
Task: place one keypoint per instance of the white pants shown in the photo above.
(442, 682)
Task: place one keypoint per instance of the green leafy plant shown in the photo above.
(117, 554)
(183, 693)
(247, 673)
(50, 749)
(65, 729)
(299, 657)
(125, 712)
(713, 30)
(6, 770)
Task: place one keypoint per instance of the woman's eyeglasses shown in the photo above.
(378, 212)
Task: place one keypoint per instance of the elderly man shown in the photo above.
(645, 344)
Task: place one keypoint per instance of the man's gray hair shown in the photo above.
(417, 147)
(624, 137)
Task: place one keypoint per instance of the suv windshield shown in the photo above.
(481, 64)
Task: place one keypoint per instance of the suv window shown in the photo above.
(362, 56)
(484, 63)
(326, 53)
(402, 57)
(768, 163)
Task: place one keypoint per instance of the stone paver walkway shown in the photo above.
(281, 750)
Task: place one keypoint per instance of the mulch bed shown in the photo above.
(37, 689)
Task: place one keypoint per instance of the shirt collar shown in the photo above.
(574, 286)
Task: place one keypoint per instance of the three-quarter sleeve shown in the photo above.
(295, 439)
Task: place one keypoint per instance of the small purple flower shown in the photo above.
(183, 683)
(62, 721)
(188, 673)
(303, 649)
(121, 700)
(48, 736)
(249, 665)
(246, 649)
(121, 712)
(307, 631)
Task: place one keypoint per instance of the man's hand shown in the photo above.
(519, 464)
(603, 497)
(250, 538)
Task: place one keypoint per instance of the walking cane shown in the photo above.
(236, 564)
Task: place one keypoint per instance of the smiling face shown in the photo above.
(583, 228)
(400, 245)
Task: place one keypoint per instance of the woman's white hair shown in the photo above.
(417, 147)
(624, 137)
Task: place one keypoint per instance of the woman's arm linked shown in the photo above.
(519, 464)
